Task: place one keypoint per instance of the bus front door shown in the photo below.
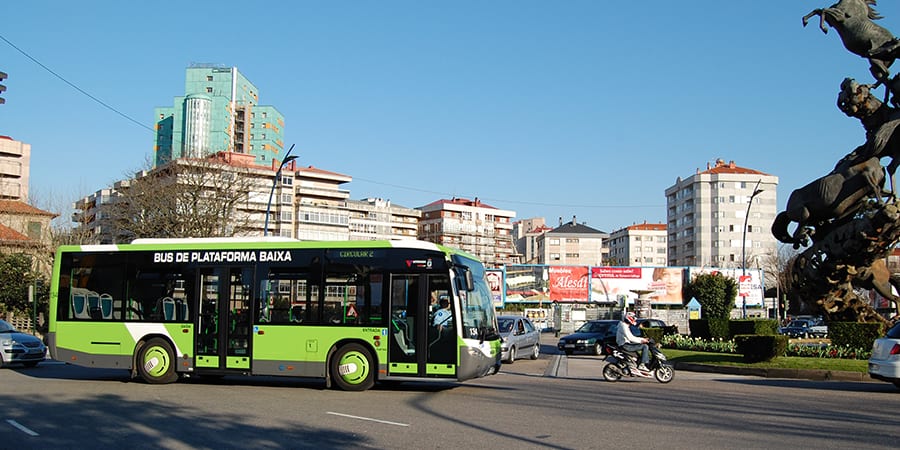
(224, 318)
(418, 347)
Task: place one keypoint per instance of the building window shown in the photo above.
(571, 240)
(287, 181)
(209, 78)
(554, 241)
(572, 255)
(208, 90)
(554, 256)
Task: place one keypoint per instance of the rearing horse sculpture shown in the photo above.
(830, 198)
(853, 20)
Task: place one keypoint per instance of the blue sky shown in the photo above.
(555, 109)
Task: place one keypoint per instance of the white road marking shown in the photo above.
(21, 427)
(368, 418)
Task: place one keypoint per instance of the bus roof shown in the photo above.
(259, 241)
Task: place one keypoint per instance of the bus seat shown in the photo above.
(79, 304)
(93, 301)
(106, 306)
(168, 305)
(400, 337)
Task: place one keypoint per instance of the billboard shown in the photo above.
(622, 285)
(750, 283)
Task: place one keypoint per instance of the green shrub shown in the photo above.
(718, 329)
(653, 333)
(699, 328)
(756, 348)
(854, 334)
(764, 327)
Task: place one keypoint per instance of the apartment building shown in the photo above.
(306, 202)
(572, 243)
(641, 244)
(375, 218)
(472, 226)
(706, 213)
(219, 112)
(525, 234)
(15, 163)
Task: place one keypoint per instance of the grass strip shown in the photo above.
(781, 362)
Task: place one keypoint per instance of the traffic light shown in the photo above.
(2, 87)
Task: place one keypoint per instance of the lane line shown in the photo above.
(368, 418)
(21, 427)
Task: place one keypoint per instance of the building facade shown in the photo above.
(375, 218)
(219, 112)
(472, 226)
(525, 234)
(572, 243)
(642, 244)
(706, 213)
(15, 163)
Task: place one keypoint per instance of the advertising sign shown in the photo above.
(616, 284)
(494, 278)
(568, 283)
(752, 287)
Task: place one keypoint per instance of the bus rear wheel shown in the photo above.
(352, 368)
(156, 362)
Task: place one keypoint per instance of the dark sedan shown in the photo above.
(590, 337)
(18, 347)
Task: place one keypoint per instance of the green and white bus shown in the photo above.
(351, 312)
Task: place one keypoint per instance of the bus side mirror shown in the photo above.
(464, 281)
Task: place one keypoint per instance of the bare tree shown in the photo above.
(183, 198)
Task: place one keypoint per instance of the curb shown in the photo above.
(806, 374)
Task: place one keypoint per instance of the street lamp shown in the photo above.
(756, 191)
(287, 158)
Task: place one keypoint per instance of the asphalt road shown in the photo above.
(528, 405)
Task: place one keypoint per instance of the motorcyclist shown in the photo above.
(628, 341)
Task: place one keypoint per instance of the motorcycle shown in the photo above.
(622, 363)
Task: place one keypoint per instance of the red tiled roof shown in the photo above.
(460, 201)
(8, 234)
(721, 167)
(17, 207)
(648, 227)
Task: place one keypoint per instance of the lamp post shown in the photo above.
(756, 191)
(287, 158)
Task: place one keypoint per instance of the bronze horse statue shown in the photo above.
(877, 276)
(854, 22)
(833, 197)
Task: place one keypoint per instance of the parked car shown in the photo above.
(656, 323)
(18, 347)
(518, 336)
(590, 337)
(801, 328)
(884, 364)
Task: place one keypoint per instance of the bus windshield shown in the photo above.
(478, 318)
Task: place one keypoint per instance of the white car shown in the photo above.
(884, 364)
(518, 337)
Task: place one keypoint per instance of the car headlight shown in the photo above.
(7, 342)
(582, 341)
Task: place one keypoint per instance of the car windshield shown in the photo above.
(5, 327)
(798, 323)
(505, 325)
(894, 332)
(594, 327)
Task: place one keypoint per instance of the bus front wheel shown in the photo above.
(352, 368)
(156, 362)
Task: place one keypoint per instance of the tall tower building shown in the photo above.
(219, 112)
(706, 213)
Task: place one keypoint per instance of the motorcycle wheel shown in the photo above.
(611, 373)
(664, 373)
